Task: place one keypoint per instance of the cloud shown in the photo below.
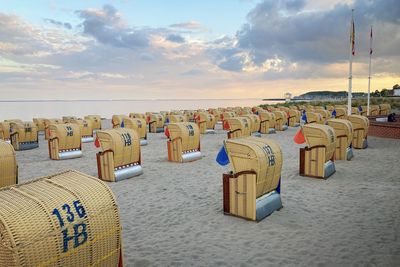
(65, 25)
(176, 38)
(107, 27)
(190, 25)
(286, 31)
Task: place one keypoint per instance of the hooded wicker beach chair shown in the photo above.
(47, 123)
(317, 158)
(360, 127)
(96, 121)
(156, 123)
(314, 117)
(267, 122)
(65, 141)
(24, 135)
(344, 137)
(280, 120)
(39, 124)
(238, 127)
(8, 165)
(67, 219)
(252, 189)
(384, 109)
(206, 122)
(294, 117)
(5, 131)
(120, 157)
(183, 142)
(254, 124)
(117, 120)
(139, 125)
(86, 127)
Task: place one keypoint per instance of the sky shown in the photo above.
(181, 49)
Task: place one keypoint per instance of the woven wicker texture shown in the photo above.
(344, 136)
(341, 113)
(294, 117)
(39, 123)
(267, 120)
(137, 124)
(67, 134)
(187, 132)
(314, 117)
(68, 119)
(205, 121)
(228, 114)
(257, 154)
(176, 118)
(157, 120)
(280, 119)
(137, 115)
(47, 123)
(254, 122)
(14, 120)
(360, 127)
(8, 165)
(384, 109)
(116, 120)
(86, 126)
(124, 143)
(96, 121)
(342, 128)
(238, 127)
(23, 132)
(324, 113)
(320, 135)
(67, 219)
(5, 130)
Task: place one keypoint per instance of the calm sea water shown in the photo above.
(26, 110)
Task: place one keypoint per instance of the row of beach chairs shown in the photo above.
(73, 218)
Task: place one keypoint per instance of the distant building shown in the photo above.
(396, 92)
(287, 96)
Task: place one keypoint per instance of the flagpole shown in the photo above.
(350, 62)
(369, 73)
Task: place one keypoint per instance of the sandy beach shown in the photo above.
(172, 214)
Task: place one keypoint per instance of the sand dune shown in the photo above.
(172, 214)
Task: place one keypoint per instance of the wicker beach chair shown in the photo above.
(252, 189)
(360, 127)
(67, 219)
(24, 136)
(317, 158)
(120, 157)
(65, 141)
(183, 142)
(344, 137)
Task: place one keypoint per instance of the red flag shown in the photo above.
(353, 37)
(97, 142)
(370, 43)
(166, 132)
(226, 125)
(299, 137)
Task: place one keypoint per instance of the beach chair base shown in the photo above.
(27, 145)
(313, 163)
(210, 131)
(191, 156)
(143, 142)
(349, 153)
(239, 198)
(87, 139)
(70, 154)
(129, 172)
(256, 134)
(271, 131)
(267, 204)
